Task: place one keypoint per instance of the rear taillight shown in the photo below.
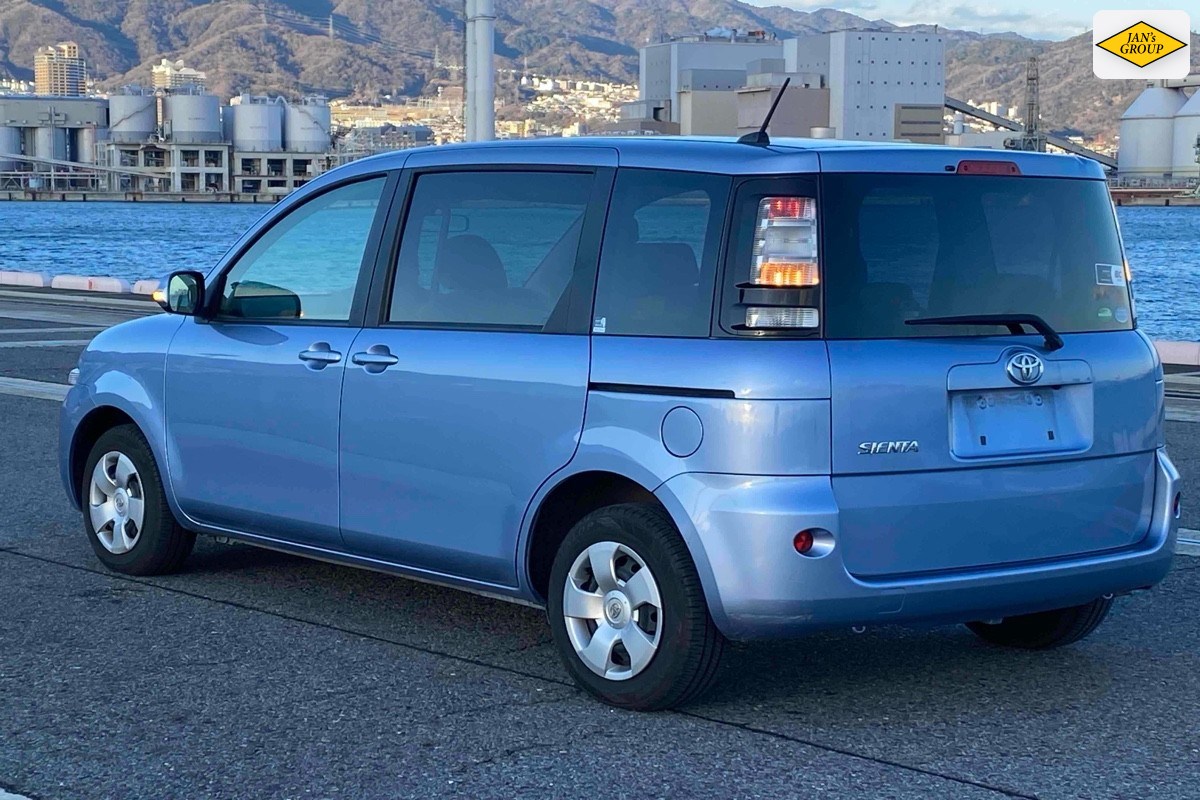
(784, 257)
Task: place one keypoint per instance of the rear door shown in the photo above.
(958, 447)
(469, 391)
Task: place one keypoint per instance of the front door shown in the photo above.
(471, 391)
(253, 393)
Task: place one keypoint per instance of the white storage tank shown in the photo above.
(192, 118)
(10, 144)
(257, 125)
(306, 126)
(50, 143)
(84, 145)
(1147, 133)
(1186, 130)
(132, 117)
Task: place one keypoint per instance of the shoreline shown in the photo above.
(77, 196)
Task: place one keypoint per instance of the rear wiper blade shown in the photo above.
(1014, 322)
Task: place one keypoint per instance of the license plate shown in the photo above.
(1006, 422)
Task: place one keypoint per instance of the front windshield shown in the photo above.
(900, 247)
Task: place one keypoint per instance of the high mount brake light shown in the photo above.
(784, 257)
(988, 168)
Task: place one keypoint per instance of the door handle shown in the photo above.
(319, 355)
(375, 359)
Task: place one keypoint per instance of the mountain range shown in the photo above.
(370, 48)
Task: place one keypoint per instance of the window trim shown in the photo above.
(580, 292)
(216, 289)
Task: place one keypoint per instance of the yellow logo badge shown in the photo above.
(1141, 44)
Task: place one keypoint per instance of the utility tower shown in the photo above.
(1032, 138)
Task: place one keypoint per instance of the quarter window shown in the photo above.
(308, 263)
(658, 262)
(491, 249)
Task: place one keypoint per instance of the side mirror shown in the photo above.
(184, 293)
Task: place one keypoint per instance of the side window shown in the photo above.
(494, 249)
(307, 265)
(658, 261)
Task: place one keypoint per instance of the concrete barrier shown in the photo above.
(147, 286)
(1186, 353)
(90, 284)
(39, 280)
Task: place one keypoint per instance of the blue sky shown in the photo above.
(1042, 19)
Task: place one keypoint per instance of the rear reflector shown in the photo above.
(803, 542)
(988, 168)
(762, 317)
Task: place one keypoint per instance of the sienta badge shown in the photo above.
(1141, 44)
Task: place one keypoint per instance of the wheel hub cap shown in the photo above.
(115, 503)
(612, 610)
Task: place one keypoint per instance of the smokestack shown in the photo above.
(480, 82)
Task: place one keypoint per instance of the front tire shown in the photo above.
(1045, 630)
(627, 612)
(125, 511)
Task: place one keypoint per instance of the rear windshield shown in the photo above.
(899, 247)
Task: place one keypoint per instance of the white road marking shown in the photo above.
(1179, 413)
(38, 390)
(1188, 545)
(45, 343)
(70, 316)
(9, 796)
(70, 329)
(79, 299)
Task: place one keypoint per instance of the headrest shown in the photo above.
(468, 262)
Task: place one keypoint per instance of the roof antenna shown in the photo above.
(759, 137)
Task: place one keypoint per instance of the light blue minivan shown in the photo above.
(677, 391)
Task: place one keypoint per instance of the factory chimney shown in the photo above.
(480, 109)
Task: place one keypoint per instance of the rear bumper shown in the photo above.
(740, 531)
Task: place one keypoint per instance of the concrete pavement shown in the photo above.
(255, 674)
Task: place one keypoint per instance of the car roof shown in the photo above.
(725, 155)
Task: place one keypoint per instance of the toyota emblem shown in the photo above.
(1025, 368)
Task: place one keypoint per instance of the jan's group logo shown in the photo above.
(1141, 44)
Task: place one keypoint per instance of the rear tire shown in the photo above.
(125, 511)
(639, 617)
(1047, 629)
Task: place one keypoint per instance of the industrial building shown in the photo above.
(1160, 136)
(871, 85)
(58, 70)
(180, 142)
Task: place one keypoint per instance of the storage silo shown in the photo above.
(192, 118)
(1185, 132)
(10, 144)
(306, 126)
(50, 143)
(1147, 133)
(257, 125)
(84, 145)
(132, 117)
